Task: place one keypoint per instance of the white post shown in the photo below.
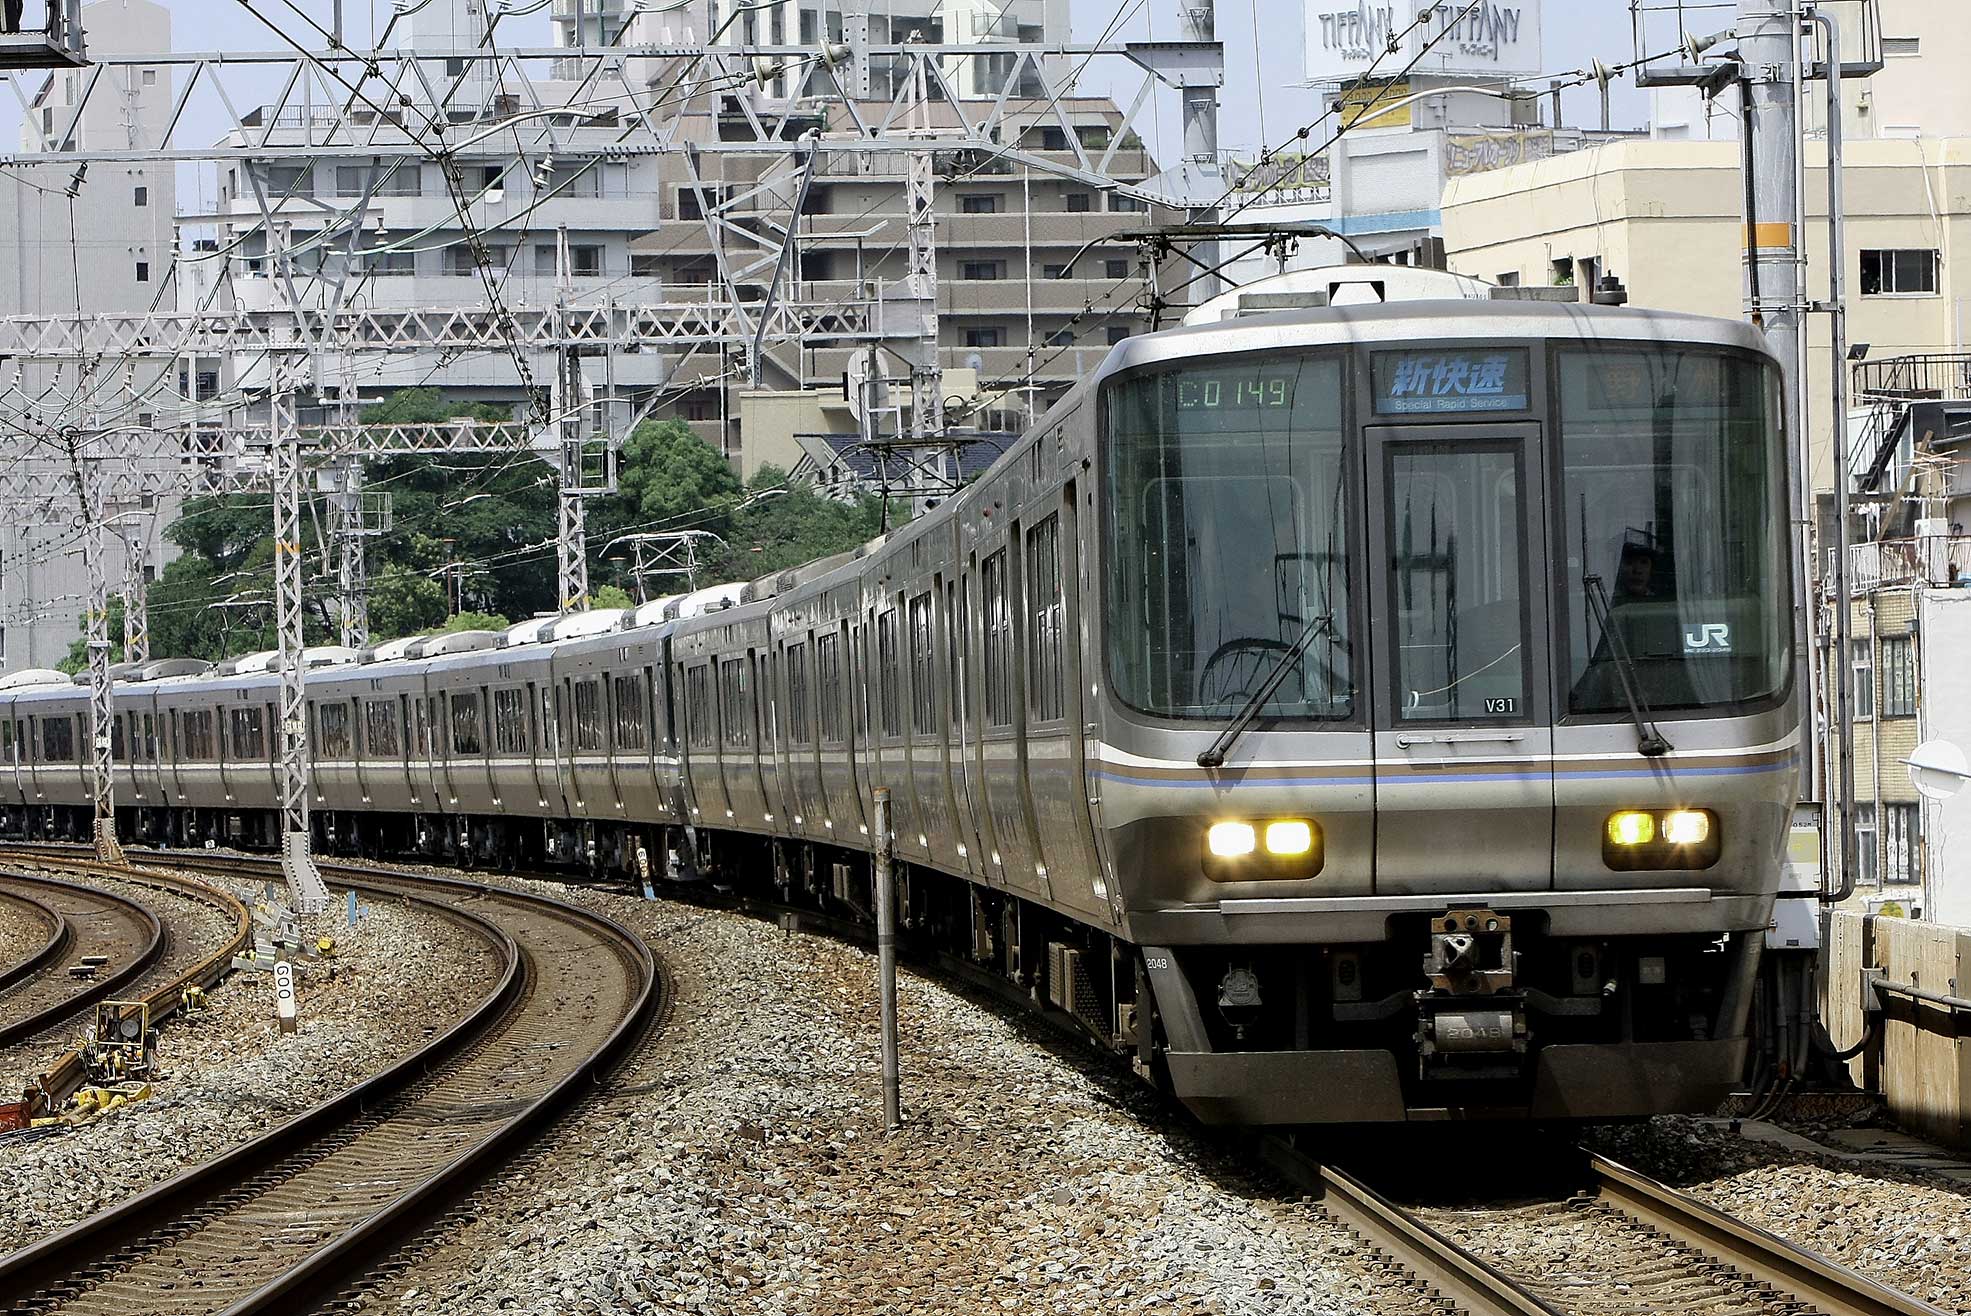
(886, 958)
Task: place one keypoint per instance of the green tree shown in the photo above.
(472, 621)
(610, 596)
(783, 524)
(669, 476)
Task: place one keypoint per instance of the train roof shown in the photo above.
(1428, 321)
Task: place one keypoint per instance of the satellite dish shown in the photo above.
(1937, 769)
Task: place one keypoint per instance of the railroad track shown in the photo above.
(1625, 1244)
(151, 954)
(89, 923)
(288, 1219)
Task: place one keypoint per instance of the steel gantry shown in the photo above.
(385, 106)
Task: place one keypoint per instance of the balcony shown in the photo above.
(56, 44)
(1923, 375)
(1938, 561)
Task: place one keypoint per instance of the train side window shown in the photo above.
(380, 728)
(465, 723)
(923, 668)
(510, 722)
(150, 737)
(333, 720)
(249, 733)
(698, 707)
(732, 703)
(1044, 608)
(828, 680)
(116, 737)
(7, 741)
(58, 740)
(795, 664)
(631, 730)
(551, 718)
(888, 711)
(998, 641)
(588, 715)
(421, 728)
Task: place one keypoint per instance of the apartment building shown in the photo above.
(90, 240)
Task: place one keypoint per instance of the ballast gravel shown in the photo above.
(1905, 1227)
(23, 931)
(228, 1074)
(739, 1165)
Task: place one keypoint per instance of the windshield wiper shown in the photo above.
(1649, 741)
(1214, 754)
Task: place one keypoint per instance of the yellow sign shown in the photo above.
(1359, 106)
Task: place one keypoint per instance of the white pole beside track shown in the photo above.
(886, 957)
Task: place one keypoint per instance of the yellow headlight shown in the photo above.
(1631, 827)
(1290, 837)
(1229, 840)
(1686, 827)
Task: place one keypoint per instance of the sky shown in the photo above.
(1254, 113)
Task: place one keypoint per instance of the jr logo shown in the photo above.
(1711, 636)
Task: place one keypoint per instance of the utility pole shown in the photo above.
(571, 537)
(304, 880)
(137, 527)
(927, 374)
(102, 706)
(1198, 21)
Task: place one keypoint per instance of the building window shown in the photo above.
(1117, 332)
(1563, 271)
(1866, 870)
(401, 179)
(1864, 683)
(1902, 834)
(1116, 269)
(143, 271)
(978, 203)
(1053, 139)
(1053, 271)
(688, 207)
(1510, 279)
(393, 263)
(1061, 338)
(150, 77)
(1080, 203)
(1898, 677)
(1899, 273)
(1129, 204)
(982, 269)
(140, 195)
(286, 181)
(1902, 47)
(645, 265)
(991, 336)
(584, 180)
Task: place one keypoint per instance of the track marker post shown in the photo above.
(886, 957)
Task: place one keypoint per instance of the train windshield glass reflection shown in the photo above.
(1674, 517)
(1228, 531)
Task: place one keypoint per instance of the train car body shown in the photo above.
(1353, 715)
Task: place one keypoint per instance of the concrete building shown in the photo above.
(109, 247)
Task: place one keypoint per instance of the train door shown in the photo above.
(1457, 591)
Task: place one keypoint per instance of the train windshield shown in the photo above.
(1674, 530)
(1228, 528)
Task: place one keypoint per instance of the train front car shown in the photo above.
(1449, 736)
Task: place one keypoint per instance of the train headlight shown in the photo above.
(1635, 839)
(1263, 850)
(1687, 827)
(1290, 838)
(1631, 827)
(1231, 840)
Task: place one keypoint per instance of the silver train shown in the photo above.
(1347, 715)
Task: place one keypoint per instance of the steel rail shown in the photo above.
(67, 1072)
(58, 939)
(64, 1265)
(1827, 1285)
(148, 947)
